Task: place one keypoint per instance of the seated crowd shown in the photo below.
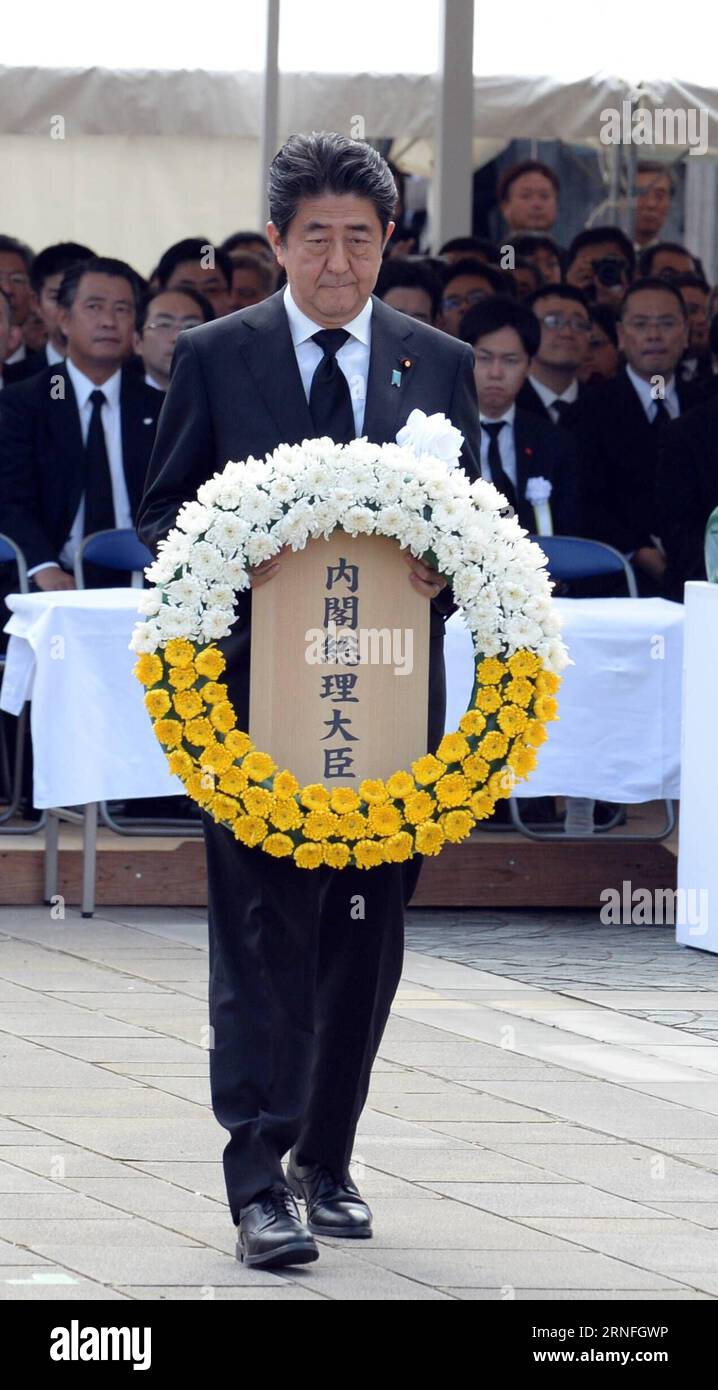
(596, 370)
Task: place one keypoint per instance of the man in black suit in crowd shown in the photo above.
(299, 992)
(687, 493)
(552, 388)
(48, 269)
(518, 445)
(75, 439)
(618, 427)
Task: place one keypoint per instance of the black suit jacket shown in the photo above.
(543, 450)
(236, 390)
(42, 457)
(618, 451)
(30, 365)
(686, 493)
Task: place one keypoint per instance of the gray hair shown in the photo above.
(324, 162)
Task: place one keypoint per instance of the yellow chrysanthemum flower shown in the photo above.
(418, 807)
(368, 854)
(523, 663)
(547, 683)
(501, 784)
(180, 763)
(384, 820)
(224, 807)
(314, 796)
(214, 693)
(187, 703)
(535, 733)
(148, 668)
(238, 743)
(179, 652)
(428, 769)
(200, 787)
(215, 758)
(343, 800)
(482, 804)
(453, 789)
(157, 703)
(222, 717)
(279, 845)
(475, 768)
(285, 814)
(472, 722)
(488, 701)
(400, 785)
(398, 848)
(353, 826)
(285, 784)
(308, 856)
(520, 690)
(319, 825)
(546, 708)
(250, 830)
(522, 759)
(258, 766)
(490, 671)
(199, 732)
(493, 745)
(457, 825)
(429, 838)
(336, 856)
(373, 791)
(258, 801)
(169, 732)
(233, 780)
(181, 677)
(210, 663)
(453, 748)
(512, 719)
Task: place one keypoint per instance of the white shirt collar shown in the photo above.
(548, 395)
(83, 387)
(150, 381)
(302, 327)
(508, 418)
(53, 356)
(644, 390)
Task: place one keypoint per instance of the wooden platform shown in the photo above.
(492, 869)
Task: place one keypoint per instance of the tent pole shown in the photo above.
(269, 131)
(454, 122)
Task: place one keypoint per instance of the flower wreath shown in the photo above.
(414, 492)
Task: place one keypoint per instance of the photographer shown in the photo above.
(601, 262)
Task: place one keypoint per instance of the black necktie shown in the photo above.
(99, 506)
(661, 416)
(330, 404)
(561, 408)
(499, 477)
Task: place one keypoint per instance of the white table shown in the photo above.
(696, 911)
(617, 737)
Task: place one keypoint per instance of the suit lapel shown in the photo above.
(275, 371)
(138, 414)
(66, 432)
(386, 405)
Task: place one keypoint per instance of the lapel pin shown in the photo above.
(405, 363)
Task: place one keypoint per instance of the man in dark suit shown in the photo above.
(687, 493)
(48, 269)
(618, 428)
(519, 445)
(552, 388)
(300, 993)
(75, 439)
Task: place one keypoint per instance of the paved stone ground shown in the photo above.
(542, 1123)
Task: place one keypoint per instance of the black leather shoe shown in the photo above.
(334, 1206)
(271, 1231)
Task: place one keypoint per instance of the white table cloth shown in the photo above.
(696, 912)
(618, 733)
(618, 737)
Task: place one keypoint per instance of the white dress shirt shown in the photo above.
(549, 396)
(52, 354)
(112, 425)
(352, 357)
(505, 441)
(150, 381)
(644, 391)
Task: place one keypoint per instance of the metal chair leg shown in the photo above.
(89, 858)
(662, 834)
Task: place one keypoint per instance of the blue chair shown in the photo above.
(11, 554)
(120, 550)
(572, 557)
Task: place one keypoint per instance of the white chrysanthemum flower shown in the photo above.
(216, 622)
(150, 602)
(172, 622)
(186, 590)
(228, 532)
(146, 637)
(207, 561)
(260, 547)
(359, 521)
(193, 518)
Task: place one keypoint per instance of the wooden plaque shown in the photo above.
(339, 682)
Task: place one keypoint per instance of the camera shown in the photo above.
(610, 271)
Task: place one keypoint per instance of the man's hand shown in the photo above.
(267, 570)
(53, 578)
(651, 561)
(426, 581)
